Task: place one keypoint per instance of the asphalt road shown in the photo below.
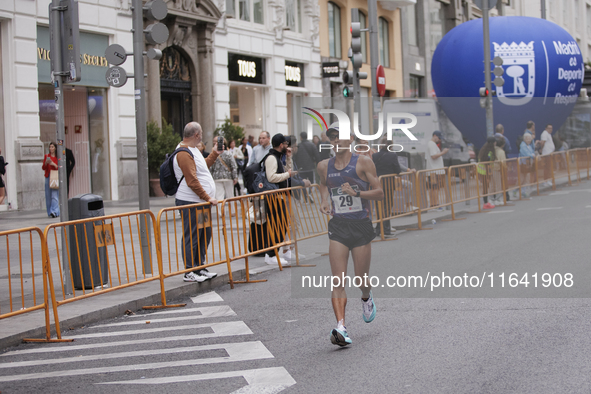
(267, 338)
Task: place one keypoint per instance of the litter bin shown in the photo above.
(83, 245)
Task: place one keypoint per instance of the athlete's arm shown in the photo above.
(322, 168)
(366, 169)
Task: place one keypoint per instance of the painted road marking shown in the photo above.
(262, 380)
(588, 206)
(558, 193)
(134, 332)
(243, 351)
(206, 311)
(504, 211)
(212, 296)
(548, 209)
(224, 329)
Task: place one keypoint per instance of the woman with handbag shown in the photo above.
(51, 182)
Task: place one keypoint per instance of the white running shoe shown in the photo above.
(193, 277)
(369, 309)
(206, 273)
(290, 255)
(273, 260)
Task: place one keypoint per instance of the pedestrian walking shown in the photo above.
(527, 150)
(434, 159)
(547, 149)
(52, 203)
(225, 174)
(347, 183)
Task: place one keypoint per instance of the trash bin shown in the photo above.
(83, 245)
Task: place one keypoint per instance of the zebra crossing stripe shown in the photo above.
(212, 296)
(206, 312)
(224, 329)
(134, 332)
(261, 380)
(242, 351)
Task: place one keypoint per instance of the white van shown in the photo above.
(430, 118)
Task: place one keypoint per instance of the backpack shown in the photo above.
(168, 182)
(255, 178)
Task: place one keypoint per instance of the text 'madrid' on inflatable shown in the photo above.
(543, 73)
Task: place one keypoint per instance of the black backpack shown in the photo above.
(168, 182)
(254, 175)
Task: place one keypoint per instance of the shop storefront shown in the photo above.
(248, 92)
(85, 113)
(296, 89)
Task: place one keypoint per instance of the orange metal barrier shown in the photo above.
(186, 233)
(528, 175)
(105, 253)
(432, 191)
(257, 223)
(464, 186)
(561, 166)
(491, 180)
(545, 170)
(309, 221)
(578, 162)
(399, 199)
(25, 259)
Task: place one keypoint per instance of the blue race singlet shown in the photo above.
(345, 206)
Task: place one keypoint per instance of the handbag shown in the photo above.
(54, 182)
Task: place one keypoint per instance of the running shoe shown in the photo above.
(193, 277)
(488, 206)
(369, 309)
(291, 255)
(273, 260)
(205, 272)
(339, 336)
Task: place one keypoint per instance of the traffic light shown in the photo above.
(484, 92)
(357, 56)
(348, 76)
(498, 71)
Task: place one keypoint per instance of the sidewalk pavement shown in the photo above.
(116, 303)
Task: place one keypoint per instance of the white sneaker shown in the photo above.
(290, 255)
(491, 202)
(273, 260)
(193, 277)
(206, 273)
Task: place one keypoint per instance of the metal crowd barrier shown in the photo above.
(256, 224)
(432, 192)
(186, 233)
(309, 221)
(465, 185)
(399, 199)
(27, 272)
(105, 254)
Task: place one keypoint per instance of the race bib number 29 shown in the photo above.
(344, 203)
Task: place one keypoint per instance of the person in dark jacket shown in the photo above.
(306, 157)
(386, 163)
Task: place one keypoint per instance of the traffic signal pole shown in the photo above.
(487, 72)
(372, 10)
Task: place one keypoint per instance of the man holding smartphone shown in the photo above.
(279, 174)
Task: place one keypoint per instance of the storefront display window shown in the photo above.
(246, 108)
(86, 128)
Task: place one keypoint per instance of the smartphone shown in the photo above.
(220, 144)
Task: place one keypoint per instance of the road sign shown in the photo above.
(381, 80)
(491, 4)
(115, 54)
(116, 76)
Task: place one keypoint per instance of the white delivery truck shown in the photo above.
(430, 118)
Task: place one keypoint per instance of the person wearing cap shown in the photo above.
(434, 158)
(347, 182)
(279, 174)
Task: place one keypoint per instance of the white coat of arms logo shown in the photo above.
(520, 72)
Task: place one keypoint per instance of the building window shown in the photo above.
(383, 42)
(247, 108)
(413, 31)
(249, 11)
(293, 15)
(437, 28)
(363, 23)
(334, 30)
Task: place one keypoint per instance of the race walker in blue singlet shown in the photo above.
(345, 206)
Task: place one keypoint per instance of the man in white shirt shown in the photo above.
(261, 150)
(196, 186)
(547, 148)
(434, 158)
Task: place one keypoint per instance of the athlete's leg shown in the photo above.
(361, 261)
(338, 255)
